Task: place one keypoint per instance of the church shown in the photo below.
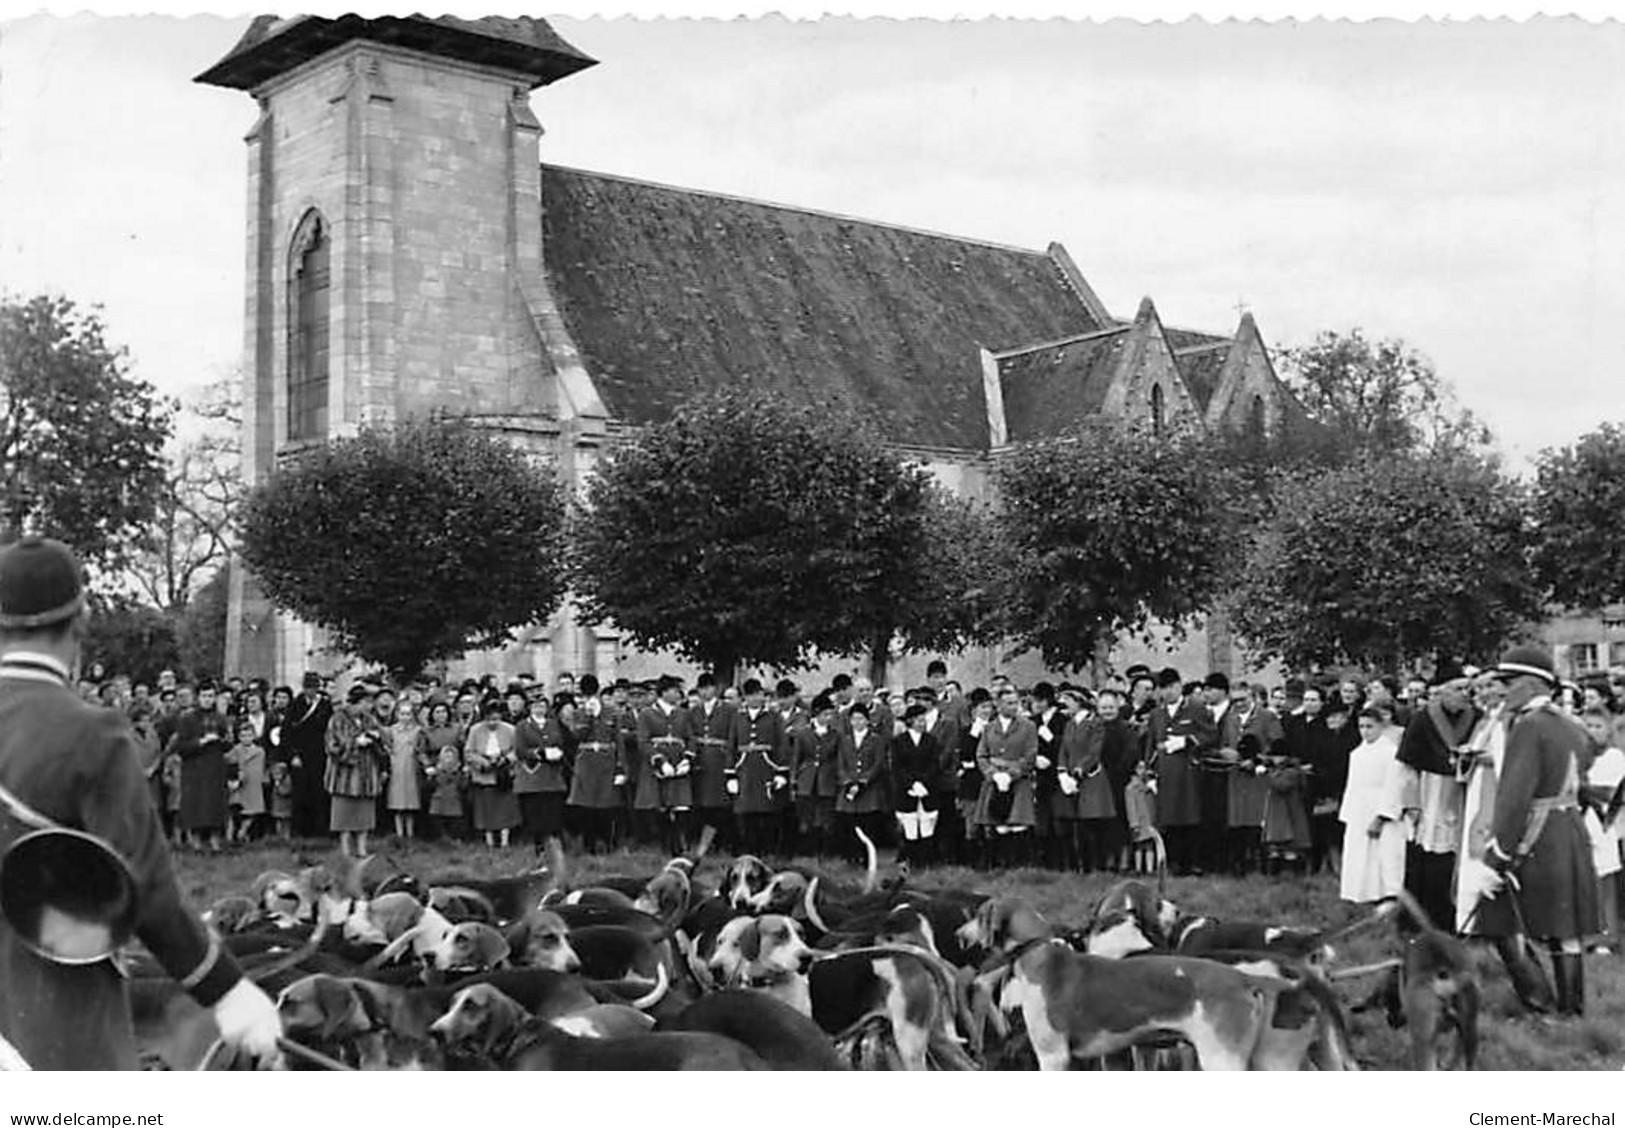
(409, 249)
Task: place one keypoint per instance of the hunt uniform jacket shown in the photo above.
(535, 773)
(913, 763)
(757, 753)
(710, 731)
(863, 771)
(1538, 830)
(666, 744)
(1011, 750)
(76, 765)
(1178, 788)
(815, 762)
(598, 761)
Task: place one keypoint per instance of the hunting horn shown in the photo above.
(68, 895)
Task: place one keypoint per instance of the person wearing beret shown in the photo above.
(1539, 852)
(67, 764)
(598, 773)
(815, 755)
(862, 802)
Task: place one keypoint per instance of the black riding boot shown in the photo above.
(1568, 968)
(1528, 978)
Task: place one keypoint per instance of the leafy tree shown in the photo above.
(81, 440)
(201, 625)
(1578, 497)
(1378, 397)
(129, 638)
(411, 544)
(747, 530)
(191, 531)
(1107, 532)
(1388, 561)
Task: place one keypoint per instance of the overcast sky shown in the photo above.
(1461, 186)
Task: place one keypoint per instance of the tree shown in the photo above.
(1389, 561)
(81, 440)
(201, 625)
(746, 530)
(1379, 397)
(1106, 532)
(411, 544)
(128, 638)
(191, 532)
(1579, 494)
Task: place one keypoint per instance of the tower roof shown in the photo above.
(273, 45)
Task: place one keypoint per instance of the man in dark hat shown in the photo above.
(1051, 722)
(815, 753)
(665, 788)
(1176, 732)
(711, 720)
(304, 743)
(1434, 752)
(1538, 846)
(759, 771)
(65, 763)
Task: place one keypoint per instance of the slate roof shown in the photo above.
(273, 45)
(1200, 365)
(671, 291)
(1054, 389)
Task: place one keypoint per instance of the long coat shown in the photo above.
(1045, 789)
(1178, 788)
(1538, 830)
(304, 738)
(758, 752)
(76, 765)
(1253, 732)
(863, 774)
(201, 739)
(1083, 746)
(599, 759)
(1013, 751)
(915, 763)
(710, 732)
(664, 741)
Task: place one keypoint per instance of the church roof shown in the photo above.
(273, 45)
(1054, 389)
(1200, 365)
(670, 291)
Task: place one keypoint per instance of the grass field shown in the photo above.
(1509, 1039)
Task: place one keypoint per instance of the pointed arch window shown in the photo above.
(309, 308)
(1158, 418)
(1257, 427)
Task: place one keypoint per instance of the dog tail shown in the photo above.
(708, 834)
(1160, 853)
(871, 876)
(657, 992)
(809, 901)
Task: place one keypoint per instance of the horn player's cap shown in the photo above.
(41, 583)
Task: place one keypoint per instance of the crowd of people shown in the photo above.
(1376, 780)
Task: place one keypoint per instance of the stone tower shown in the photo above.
(394, 251)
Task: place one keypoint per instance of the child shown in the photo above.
(282, 799)
(172, 795)
(1602, 820)
(446, 793)
(245, 764)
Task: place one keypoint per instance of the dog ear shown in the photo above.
(494, 948)
(500, 1016)
(750, 941)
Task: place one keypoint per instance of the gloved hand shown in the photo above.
(917, 790)
(1042, 762)
(1001, 780)
(684, 768)
(780, 782)
(249, 1022)
(1068, 783)
(552, 754)
(732, 786)
(667, 771)
(620, 779)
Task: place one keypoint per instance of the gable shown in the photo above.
(1053, 390)
(668, 293)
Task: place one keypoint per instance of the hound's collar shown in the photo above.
(772, 979)
(1006, 958)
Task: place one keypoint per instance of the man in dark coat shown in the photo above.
(1539, 848)
(1176, 734)
(65, 763)
(815, 762)
(711, 719)
(916, 764)
(1048, 716)
(758, 772)
(665, 796)
(304, 740)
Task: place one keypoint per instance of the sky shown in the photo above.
(1458, 185)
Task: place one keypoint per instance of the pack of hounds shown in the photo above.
(706, 966)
